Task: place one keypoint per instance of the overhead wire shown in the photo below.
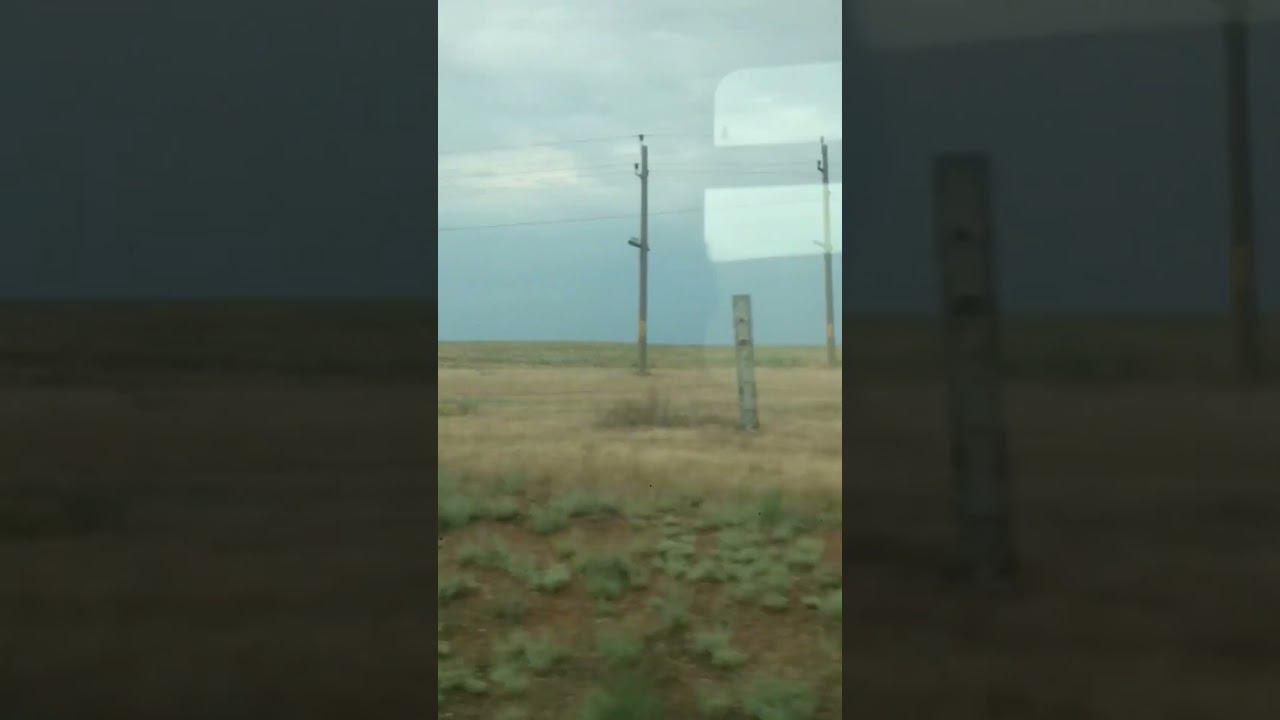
(626, 216)
(477, 151)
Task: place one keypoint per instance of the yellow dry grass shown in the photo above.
(545, 424)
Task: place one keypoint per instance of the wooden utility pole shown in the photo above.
(744, 349)
(971, 340)
(642, 172)
(1244, 292)
(824, 168)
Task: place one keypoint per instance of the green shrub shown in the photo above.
(775, 601)
(503, 509)
(771, 513)
(492, 555)
(578, 503)
(548, 520)
(625, 696)
(745, 591)
(780, 698)
(552, 579)
(714, 702)
(451, 676)
(520, 649)
(512, 484)
(454, 508)
(829, 578)
(672, 610)
(675, 557)
(510, 679)
(706, 570)
(512, 712)
(619, 648)
(453, 588)
(830, 604)
(511, 609)
(805, 552)
(566, 548)
(715, 645)
(608, 575)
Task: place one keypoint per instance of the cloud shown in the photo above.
(528, 76)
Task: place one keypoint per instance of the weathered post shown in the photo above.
(971, 340)
(1245, 316)
(744, 348)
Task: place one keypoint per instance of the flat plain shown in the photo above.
(223, 511)
(663, 562)
(1147, 515)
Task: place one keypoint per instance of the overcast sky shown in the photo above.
(284, 149)
(733, 97)
(1105, 124)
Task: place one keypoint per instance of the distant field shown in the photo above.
(1077, 350)
(60, 344)
(617, 355)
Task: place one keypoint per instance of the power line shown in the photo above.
(575, 141)
(674, 168)
(714, 163)
(734, 171)
(478, 150)
(627, 216)
(564, 168)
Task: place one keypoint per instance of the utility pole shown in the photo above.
(1244, 292)
(965, 247)
(642, 172)
(824, 167)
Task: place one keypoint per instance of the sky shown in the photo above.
(733, 98)
(283, 149)
(1105, 126)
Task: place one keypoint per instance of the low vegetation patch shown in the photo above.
(715, 645)
(457, 407)
(656, 411)
(590, 597)
(625, 696)
(780, 698)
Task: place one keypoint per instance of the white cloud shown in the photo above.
(524, 38)
(514, 72)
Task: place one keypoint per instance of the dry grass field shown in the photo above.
(222, 511)
(1148, 520)
(693, 570)
(676, 428)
